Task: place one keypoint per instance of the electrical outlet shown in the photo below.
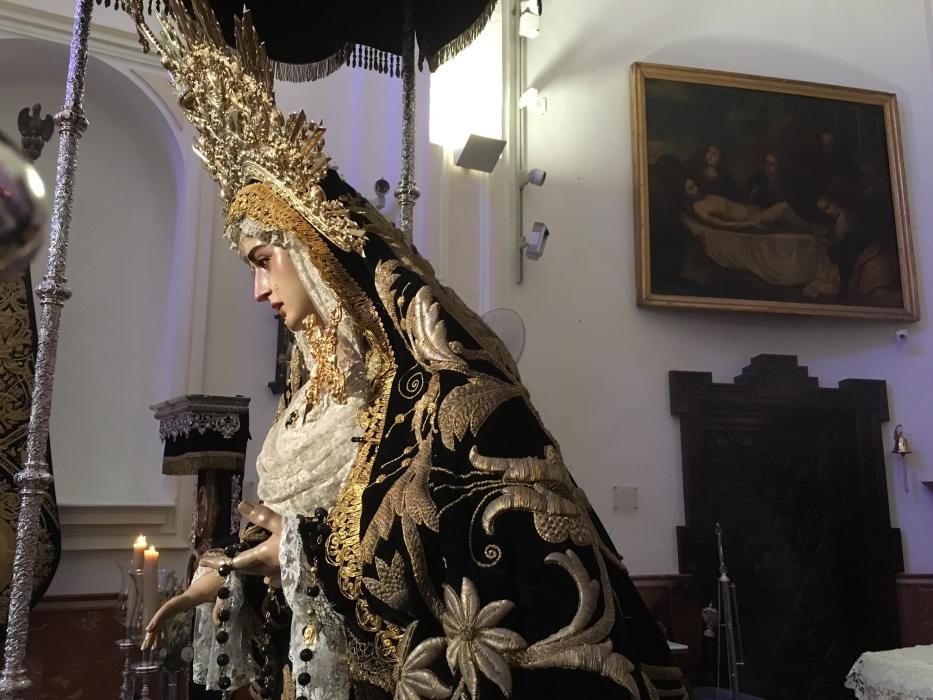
(625, 498)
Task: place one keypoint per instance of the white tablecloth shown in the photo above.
(899, 674)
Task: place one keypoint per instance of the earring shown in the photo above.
(326, 373)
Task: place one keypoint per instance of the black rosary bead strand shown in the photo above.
(315, 532)
(223, 635)
(265, 681)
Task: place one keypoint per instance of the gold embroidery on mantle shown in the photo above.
(653, 693)
(580, 644)
(663, 693)
(492, 350)
(542, 487)
(662, 673)
(389, 584)
(468, 406)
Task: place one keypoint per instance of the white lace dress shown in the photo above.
(302, 466)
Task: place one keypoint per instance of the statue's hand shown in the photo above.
(263, 559)
(202, 590)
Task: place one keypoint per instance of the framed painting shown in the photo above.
(770, 195)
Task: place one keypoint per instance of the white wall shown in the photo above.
(112, 352)
(597, 365)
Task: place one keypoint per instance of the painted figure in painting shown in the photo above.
(721, 211)
(713, 175)
(770, 185)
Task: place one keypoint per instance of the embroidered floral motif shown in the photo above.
(541, 487)
(468, 406)
(427, 332)
(389, 586)
(415, 680)
(474, 644)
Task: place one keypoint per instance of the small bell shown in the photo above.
(901, 446)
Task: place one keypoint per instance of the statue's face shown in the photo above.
(276, 281)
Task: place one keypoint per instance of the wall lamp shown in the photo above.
(531, 99)
(381, 189)
(531, 246)
(479, 153)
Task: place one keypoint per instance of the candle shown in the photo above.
(150, 584)
(139, 546)
(132, 594)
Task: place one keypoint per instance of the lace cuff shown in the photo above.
(240, 627)
(328, 671)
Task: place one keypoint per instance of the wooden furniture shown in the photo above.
(795, 475)
(915, 605)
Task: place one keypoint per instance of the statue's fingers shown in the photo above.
(261, 560)
(152, 624)
(148, 641)
(212, 561)
(215, 612)
(266, 518)
(248, 560)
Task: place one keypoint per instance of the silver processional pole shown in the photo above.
(34, 478)
(407, 191)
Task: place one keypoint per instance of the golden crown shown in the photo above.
(228, 95)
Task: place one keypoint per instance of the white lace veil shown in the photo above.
(351, 341)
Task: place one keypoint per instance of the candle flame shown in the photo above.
(152, 549)
(141, 541)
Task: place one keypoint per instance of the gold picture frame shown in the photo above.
(769, 195)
